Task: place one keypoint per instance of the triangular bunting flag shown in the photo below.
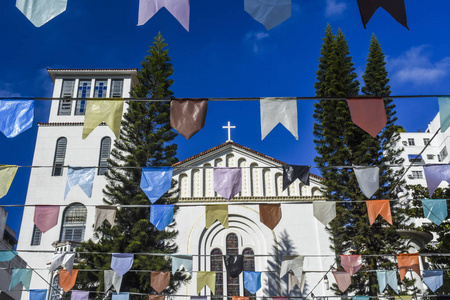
(38, 294)
(156, 297)
(188, 116)
(156, 181)
(121, 296)
(293, 172)
(435, 210)
(278, 110)
(199, 298)
(16, 116)
(270, 214)
(368, 114)
(7, 173)
(161, 215)
(239, 298)
(396, 8)
(181, 260)
(112, 279)
(67, 280)
(79, 295)
(104, 212)
(21, 275)
(122, 262)
(46, 216)
(351, 263)
(178, 8)
(444, 113)
(83, 177)
(216, 212)
(360, 298)
(292, 263)
(269, 13)
(379, 207)
(206, 278)
(294, 281)
(387, 278)
(227, 182)
(408, 261)
(7, 255)
(159, 281)
(65, 259)
(252, 281)
(368, 179)
(433, 279)
(98, 111)
(234, 265)
(435, 174)
(324, 211)
(40, 12)
(343, 280)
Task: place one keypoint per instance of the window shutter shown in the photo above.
(116, 88)
(105, 149)
(65, 106)
(60, 154)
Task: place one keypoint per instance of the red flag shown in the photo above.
(46, 216)
(343, 280)
(368, 114)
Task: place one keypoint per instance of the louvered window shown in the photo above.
(74, 223)
(116, 88)
(105, 148)
(65, 106)
(60, 154)
(84, 91)
(37, 234)
(100, 88)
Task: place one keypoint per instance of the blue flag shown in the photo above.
(433, 279)
(38, 294)
(156, 181)
(444, 111)
(122, 262)
(252, 281)
(360, 298)
(21, 275)
(181, 260)
(16, 116)
(435, 210)
(387, 278)
(161, 215)
(84, 177)
(7, 255)
(121, 296)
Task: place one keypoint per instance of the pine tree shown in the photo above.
(341, 143)
(145, 140)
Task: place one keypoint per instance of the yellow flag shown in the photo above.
(7, 174)
(403, 297)
(206, 278)
(108, 111)
(217, 212)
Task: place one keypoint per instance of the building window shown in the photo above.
(411, 142)
(443, 154)
(100, 89)
(74, 222)
(37, 234)
(56, 291)
(417, 174)
(65, 106)
(84, 91)
(232, 249)
(426, 141)
(60, 153)
(249, 265)
(116, 88)
(105, 148)
(430, 156)
(217, 266)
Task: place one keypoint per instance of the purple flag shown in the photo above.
(435, 174)
(178, 8)
(227, 182)
(79, 295)
(121, 262)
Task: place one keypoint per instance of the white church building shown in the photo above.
(59, 143)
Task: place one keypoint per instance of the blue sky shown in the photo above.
(225, 54)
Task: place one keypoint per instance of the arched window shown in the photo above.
(230, 160)
(267, 187)
(105, 149)
(196, 184)
(232, 249)
(60, 154)
(74, 223)
(217, 266)
(249, 265)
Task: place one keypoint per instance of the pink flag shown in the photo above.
(369, 114)
(351, 263)
(46, 216)
(178, 8)
(343, 280)
(227, 182)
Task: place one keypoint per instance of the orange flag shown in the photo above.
(406, 262)
(66, 280)
(379, 207)
(160, 280)
(239, 298)
(368, 114)
(270, 214)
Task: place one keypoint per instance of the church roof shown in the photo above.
(239, 146)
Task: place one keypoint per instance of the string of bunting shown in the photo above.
(268, 13)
